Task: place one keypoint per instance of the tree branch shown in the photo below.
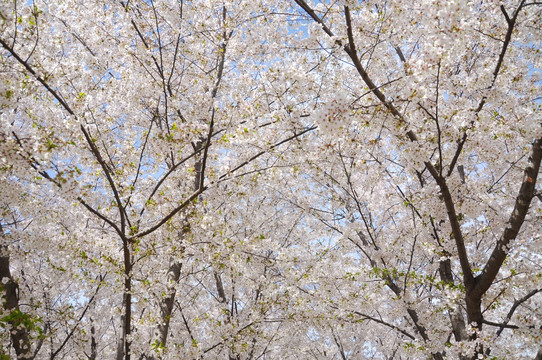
(454, 223)
(39, 78)
(54, 354)
(169, 216)
(350, 49)
(508, 37)
(502, 326)
(101, 216)
(33, 162)
(521, 207)
(105, 168)
(391, 326)
(244, 163)
(515, 306)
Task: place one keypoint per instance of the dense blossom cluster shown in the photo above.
(333, 116)
(248, 179)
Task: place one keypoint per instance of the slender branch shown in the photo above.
(508, 37)
(244, 163)
(185, 321)
(54, 354)
(169, 216)
(339, 346)
(166, 175)
(221, 62)
(379, 321)
(159, 69)
(101, 216)
(458, 151)
(173, 64)
(503, 175)
(234, 335)
(379, 87)
(511, 23)
(39, 78)
(78, 37)
(316, 18)
(515, 306)
(350, 49)
(206, 149)
(105, 168)
(143, 147)
(439, 134)
(502, 326)
(411, 312)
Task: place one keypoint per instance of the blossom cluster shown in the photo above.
(333, 116)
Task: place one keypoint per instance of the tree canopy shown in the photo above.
(290, 179)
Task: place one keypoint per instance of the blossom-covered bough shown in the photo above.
(255, 180)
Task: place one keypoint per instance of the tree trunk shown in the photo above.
(19, 333)
(167, 302)
(174, 269)
(123, 349)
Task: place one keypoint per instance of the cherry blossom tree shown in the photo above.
(430, 125)
(108, 117)
(260, 180)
